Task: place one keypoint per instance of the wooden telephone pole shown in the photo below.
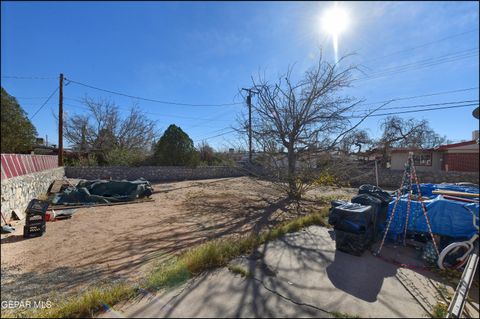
(60, 122)
(249, 103)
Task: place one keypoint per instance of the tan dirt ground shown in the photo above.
(103, 244)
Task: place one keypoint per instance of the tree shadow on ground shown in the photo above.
(298, 275)
(261, 295)
(130, 255)
(12, 239)
(40, 285)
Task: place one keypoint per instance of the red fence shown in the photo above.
(21, 164)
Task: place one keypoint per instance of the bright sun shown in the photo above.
(335, 21)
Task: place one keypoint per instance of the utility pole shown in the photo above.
(249, 103)
(60, 122)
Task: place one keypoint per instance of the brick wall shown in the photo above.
(392, 178)
(462, 162)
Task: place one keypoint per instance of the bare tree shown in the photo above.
(405, 133)
(355, 141)
(102, 128)
(294, 122)
(207, 153)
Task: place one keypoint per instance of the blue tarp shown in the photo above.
(447, 217)
(427, 189)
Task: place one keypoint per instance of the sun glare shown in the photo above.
(335, 21)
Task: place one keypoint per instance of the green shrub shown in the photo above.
(239, 270)
(325, 179)
(440, 310)
(124, 157)
(87, 304)
(81, 160)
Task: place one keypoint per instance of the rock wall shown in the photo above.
(153, 173)
(18, 191)
(392, 178)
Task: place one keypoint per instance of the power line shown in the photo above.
(424, 95)
(219, 130)
(351, 117)
(384, 114)
(360, 104)
(53, 93)
(210, 137)
(147, 99)
(415, 68)
(197, 140)
(153, 113)
(215, 118)
(428, 63)
(28, 77)
(422, 45)
(420, 65)
(415, 111)
(431, 59)
(31, 98)
(422, 105)
(369, 103)
(391, 100)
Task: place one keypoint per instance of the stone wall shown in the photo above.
(392, 178)
(153, 173)
(18, 191)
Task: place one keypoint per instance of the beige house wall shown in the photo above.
(437, 158)
(398, 160)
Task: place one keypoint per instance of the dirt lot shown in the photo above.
(104, 244)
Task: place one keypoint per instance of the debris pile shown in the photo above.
(357, 223)
(90, 192)
(442, 218)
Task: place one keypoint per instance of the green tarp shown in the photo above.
(102, 191)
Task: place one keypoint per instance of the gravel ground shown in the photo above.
(104, 244)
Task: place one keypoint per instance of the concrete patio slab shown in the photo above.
(298, 275)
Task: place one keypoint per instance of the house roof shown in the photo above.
(410, 149)
(447, 146)
(439, 148)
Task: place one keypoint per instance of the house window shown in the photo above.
(423, 159)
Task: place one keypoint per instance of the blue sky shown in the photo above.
(204, 52)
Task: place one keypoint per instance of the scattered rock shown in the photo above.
(17, 214)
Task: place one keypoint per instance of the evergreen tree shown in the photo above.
(17, 131)
(175, 148)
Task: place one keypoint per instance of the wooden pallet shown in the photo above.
(57, 185)
(60, 207)
(452, 193)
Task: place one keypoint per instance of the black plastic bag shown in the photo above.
(353, 244)
(375, 192)
(351, 217)
(379, 209)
